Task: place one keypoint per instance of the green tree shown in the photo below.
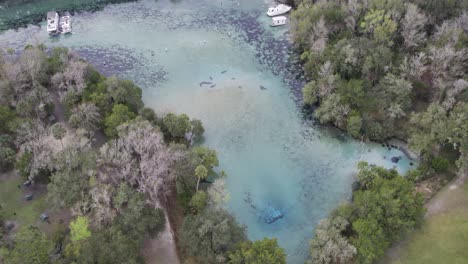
(264, 251)
(380, 25)
(79, 229)
(22, 164)
(440, 164)
(210, 235)
(201, 173)
(58, 131)
(31, 246)
(7, 153)
(109, 246)
(206, 157)
(7, 116)
(197, 129)
(177, 125)
(136, 218)
(198, 201)
(353, 125)
(309, 93)
(124, 92)
(120, 114)
(370, 242)
(79, 233)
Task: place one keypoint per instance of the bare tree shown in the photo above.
(74, 75)
(32, 138)
(33, 63)
(413, 24)
(86, 116)
(448, 64)
(319, 36)
(140, 157)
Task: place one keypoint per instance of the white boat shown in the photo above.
(278, 10)
(65, 24)
(278, 21)
(52, 22)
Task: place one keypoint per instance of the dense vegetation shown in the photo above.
(110, 165)
(382, 69)
(388, 68)
(383, 209)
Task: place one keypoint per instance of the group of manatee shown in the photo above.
(212, 85)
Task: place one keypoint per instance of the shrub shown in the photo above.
(439, 164)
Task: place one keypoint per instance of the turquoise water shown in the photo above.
(278, 164)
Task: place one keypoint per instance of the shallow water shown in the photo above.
(277, 163)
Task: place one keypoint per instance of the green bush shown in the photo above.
(22, 164)
(440, 164)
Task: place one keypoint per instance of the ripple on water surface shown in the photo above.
(220, 61)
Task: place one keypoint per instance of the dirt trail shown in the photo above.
(162, 249)
(438, 204)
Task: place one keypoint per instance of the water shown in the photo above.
(285, 174)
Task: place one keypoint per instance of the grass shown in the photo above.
(15, 207)
(443, 238)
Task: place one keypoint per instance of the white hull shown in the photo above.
(278, 21)
(278, 10)
(52, 22)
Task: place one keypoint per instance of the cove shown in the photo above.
(219, 61)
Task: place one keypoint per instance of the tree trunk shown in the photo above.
(198, 183)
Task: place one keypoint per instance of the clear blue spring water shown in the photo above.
(279, 166)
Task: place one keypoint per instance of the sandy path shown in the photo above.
(440, 203)
(162, 249)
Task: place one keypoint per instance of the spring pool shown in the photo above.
(221, 62)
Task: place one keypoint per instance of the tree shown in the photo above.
(209, 236)
(201, 173)
(333, 110)
(370, 242)
(413, 26)
(7, 116)
(79, 233)
(124, 92)
(437, 127)
(353, 125)
(197, 129)
(7, 153)
(386, 207)
(206, 157)
(31, 246)
(177, 125)
(120, 114)
(140, 157)
(136, 219)
(198, 201)
(380, 26)
(87, 116)
(58, 131)
(70, 180)
(109, 246)
(74, 75)
(218, 194)
(264, 251)
(329, 244)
